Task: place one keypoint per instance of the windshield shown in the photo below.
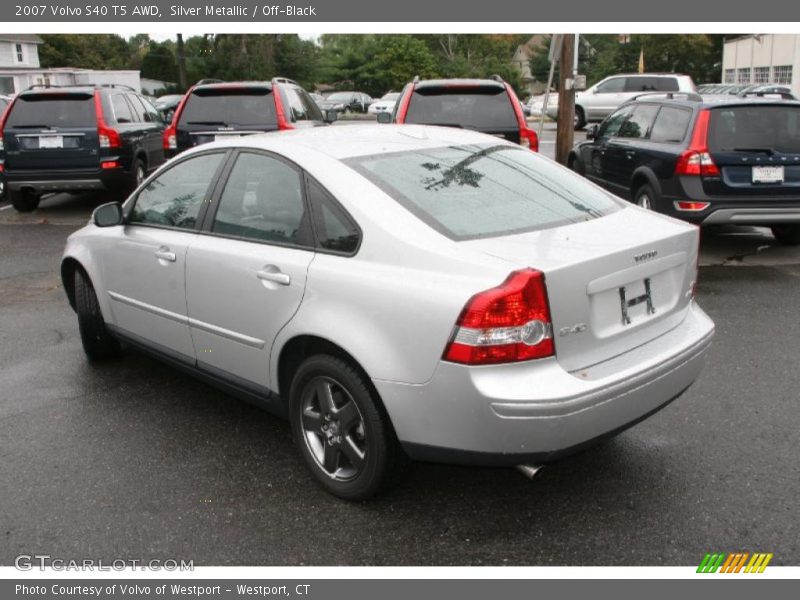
(248, 106)
(473, 108)
(755, 127)
(481, 191)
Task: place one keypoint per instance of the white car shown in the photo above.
(398, 290)
(385, 104)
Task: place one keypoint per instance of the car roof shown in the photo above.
(713, 100)
(222, 85)
(344, 142)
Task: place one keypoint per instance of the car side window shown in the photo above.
(639, 123)
(611, 86)
(263, 201)
(611, 125)
(174, 198)
(671, 124)
(335, 230)
(121, 108)
(302, 106)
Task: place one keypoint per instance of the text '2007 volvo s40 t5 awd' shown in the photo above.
(398, 291)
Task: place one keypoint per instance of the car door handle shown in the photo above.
(274, 274)
(165, 253)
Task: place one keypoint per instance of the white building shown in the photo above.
(19, 68)
(764, 58)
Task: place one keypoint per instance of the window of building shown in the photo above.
(743, 75)
(20, 55)
(761, 75)
(782, 74)
(730, 76)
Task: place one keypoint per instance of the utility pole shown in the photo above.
(565, 127)
(181, 52)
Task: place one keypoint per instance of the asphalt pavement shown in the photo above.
(133, 460)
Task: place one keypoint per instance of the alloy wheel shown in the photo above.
(333, 429)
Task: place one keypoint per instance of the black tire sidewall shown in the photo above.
(24, 201)
(646, 188)
(379, 436)
(97, 342)
(787, 235)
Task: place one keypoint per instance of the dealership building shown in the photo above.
(763, 58)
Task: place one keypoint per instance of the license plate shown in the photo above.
(768, 174)
(51, 141)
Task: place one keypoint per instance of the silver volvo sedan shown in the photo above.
(398, 291)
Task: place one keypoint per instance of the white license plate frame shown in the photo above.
(768, 174)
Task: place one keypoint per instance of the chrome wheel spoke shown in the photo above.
(312, 421)
(353, 453)
(330, 460)
(348, 416)
(324, 392)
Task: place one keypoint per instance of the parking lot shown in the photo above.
(132, 459)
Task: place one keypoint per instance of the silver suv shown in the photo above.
(398, 290)
(604, 97)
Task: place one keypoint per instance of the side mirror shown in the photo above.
(108, 215)
(330, 116)
(384, 117)
(592, 133)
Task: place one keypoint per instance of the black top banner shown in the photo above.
(467, 11)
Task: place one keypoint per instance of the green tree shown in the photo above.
(159, 62)
(95, 51)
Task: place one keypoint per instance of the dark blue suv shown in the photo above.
(75, 139)
(721, 160)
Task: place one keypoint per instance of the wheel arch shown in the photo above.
(642, 176)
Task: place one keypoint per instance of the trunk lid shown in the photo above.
(613, 283)
(756, 147)
(53, 131)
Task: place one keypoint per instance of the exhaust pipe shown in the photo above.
(530, 471)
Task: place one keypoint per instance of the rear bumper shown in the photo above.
(536, 411)
(42, 182)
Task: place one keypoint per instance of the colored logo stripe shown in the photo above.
(734, 562)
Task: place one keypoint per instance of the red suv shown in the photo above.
(485, 105)
(214, 109)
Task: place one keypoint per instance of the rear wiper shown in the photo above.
(208, 123)
(769, 151)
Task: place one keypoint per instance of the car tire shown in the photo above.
(138, 175)
(787, 235)
(24, 200)
(580, 118)
(98, 343)
(342, 429)
(645, 197)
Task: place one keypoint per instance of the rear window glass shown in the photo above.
(246, 106)
(474, 108)
(485, 191)
(43, 111)
(758, 127)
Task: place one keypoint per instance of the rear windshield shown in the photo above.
(50, 110)
(481, 191)
(482, 108)
(246, 106)
(756, 127)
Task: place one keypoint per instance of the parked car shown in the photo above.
(167, 105)
(485, 105)
(398, 290)
(76, 139)
(317, 97)
(215, 110)
(347, 102)
(604, 97)
(708, 161)
(385, 104)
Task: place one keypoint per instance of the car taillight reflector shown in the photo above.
(508, 323)
(690, 206)
(109, 164)
(170, 138)
(696, 160)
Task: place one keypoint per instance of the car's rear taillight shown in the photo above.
(696, 160)
(529, 139)
(3, 120)
(170, 139)
(107, 136)
(691, 205)
(508, 323)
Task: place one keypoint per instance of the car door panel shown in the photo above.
(246, 278)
